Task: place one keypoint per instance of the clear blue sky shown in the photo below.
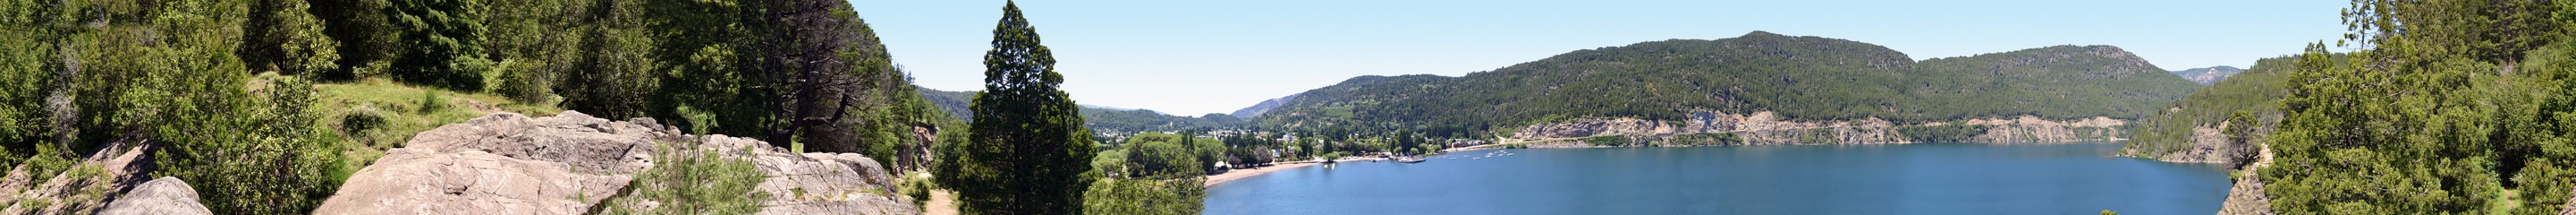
(1197, 57)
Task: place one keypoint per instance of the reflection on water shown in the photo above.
(1836, 179)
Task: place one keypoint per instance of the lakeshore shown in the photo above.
(1231, 175)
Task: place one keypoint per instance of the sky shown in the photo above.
(1196, 57)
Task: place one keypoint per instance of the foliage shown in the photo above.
(522, 82)
(362, 30)
(694, 182)
(25, 77)
(2256, 91)
(1161, 154)
(281, 36)
(1028, 152)
(1800, 78)
(613, 80)
(282, 164)
(439, 41)
(1145, 196)
(2448, 117)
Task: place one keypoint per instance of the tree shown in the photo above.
(362, 30)
(1028, 153)
(2240, 132)
(442, 43)
(282, 37)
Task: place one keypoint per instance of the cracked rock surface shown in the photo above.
(568, 163)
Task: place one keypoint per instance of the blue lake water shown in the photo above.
(1823, 179)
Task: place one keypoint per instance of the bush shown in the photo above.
(694, 183)
(1145, 196)
(360, 121)
(918, 188)
(430, 102)
(524, 82)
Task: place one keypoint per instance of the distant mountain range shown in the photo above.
(1101, 119)
(2206, 76)
(1803, 78)
(1264, 107)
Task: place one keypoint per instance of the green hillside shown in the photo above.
(1801, 78)
(2255, 91)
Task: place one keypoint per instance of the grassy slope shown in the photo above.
(401, 108)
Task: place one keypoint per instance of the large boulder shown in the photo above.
(163, 196)
(569, 163)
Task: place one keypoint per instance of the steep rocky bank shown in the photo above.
(2246, 197)
(114, 180)
(1767, 128)
(571, 163)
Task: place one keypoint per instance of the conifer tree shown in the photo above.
(442, 41)
(1027, 152)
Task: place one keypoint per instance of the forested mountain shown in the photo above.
(2256, 92)
(2209, 75)
(1800, 78)
(1101, 120)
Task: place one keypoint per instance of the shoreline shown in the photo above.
(1239, 174)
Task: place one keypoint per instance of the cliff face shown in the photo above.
(571, 163)
(1767, 128)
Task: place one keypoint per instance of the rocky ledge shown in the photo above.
(571, 163)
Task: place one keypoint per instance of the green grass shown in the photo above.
(399, 114)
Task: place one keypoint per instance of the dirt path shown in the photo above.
(941, 203)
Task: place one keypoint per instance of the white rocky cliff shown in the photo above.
(571, 163)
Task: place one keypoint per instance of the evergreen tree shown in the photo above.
(1028, 153)
(442, 43)
(282, 37)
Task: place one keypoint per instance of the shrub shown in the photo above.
(1145, 196)
(524, 82)
(430, 102)
(360, 121)
(695, 182)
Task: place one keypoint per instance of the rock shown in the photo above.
(2571, 205)
(166, 195)
(569, 163)
(2210, 145)
(88, 185)
(2247, 197)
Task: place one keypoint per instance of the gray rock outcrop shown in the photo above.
(163, 196)
(570, 163)
(88, 186)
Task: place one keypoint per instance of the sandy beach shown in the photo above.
(1246, 173)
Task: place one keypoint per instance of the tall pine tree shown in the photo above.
(1028, 152)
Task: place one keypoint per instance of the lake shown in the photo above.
(1944, 178)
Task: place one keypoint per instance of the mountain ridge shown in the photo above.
(1802, 77)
